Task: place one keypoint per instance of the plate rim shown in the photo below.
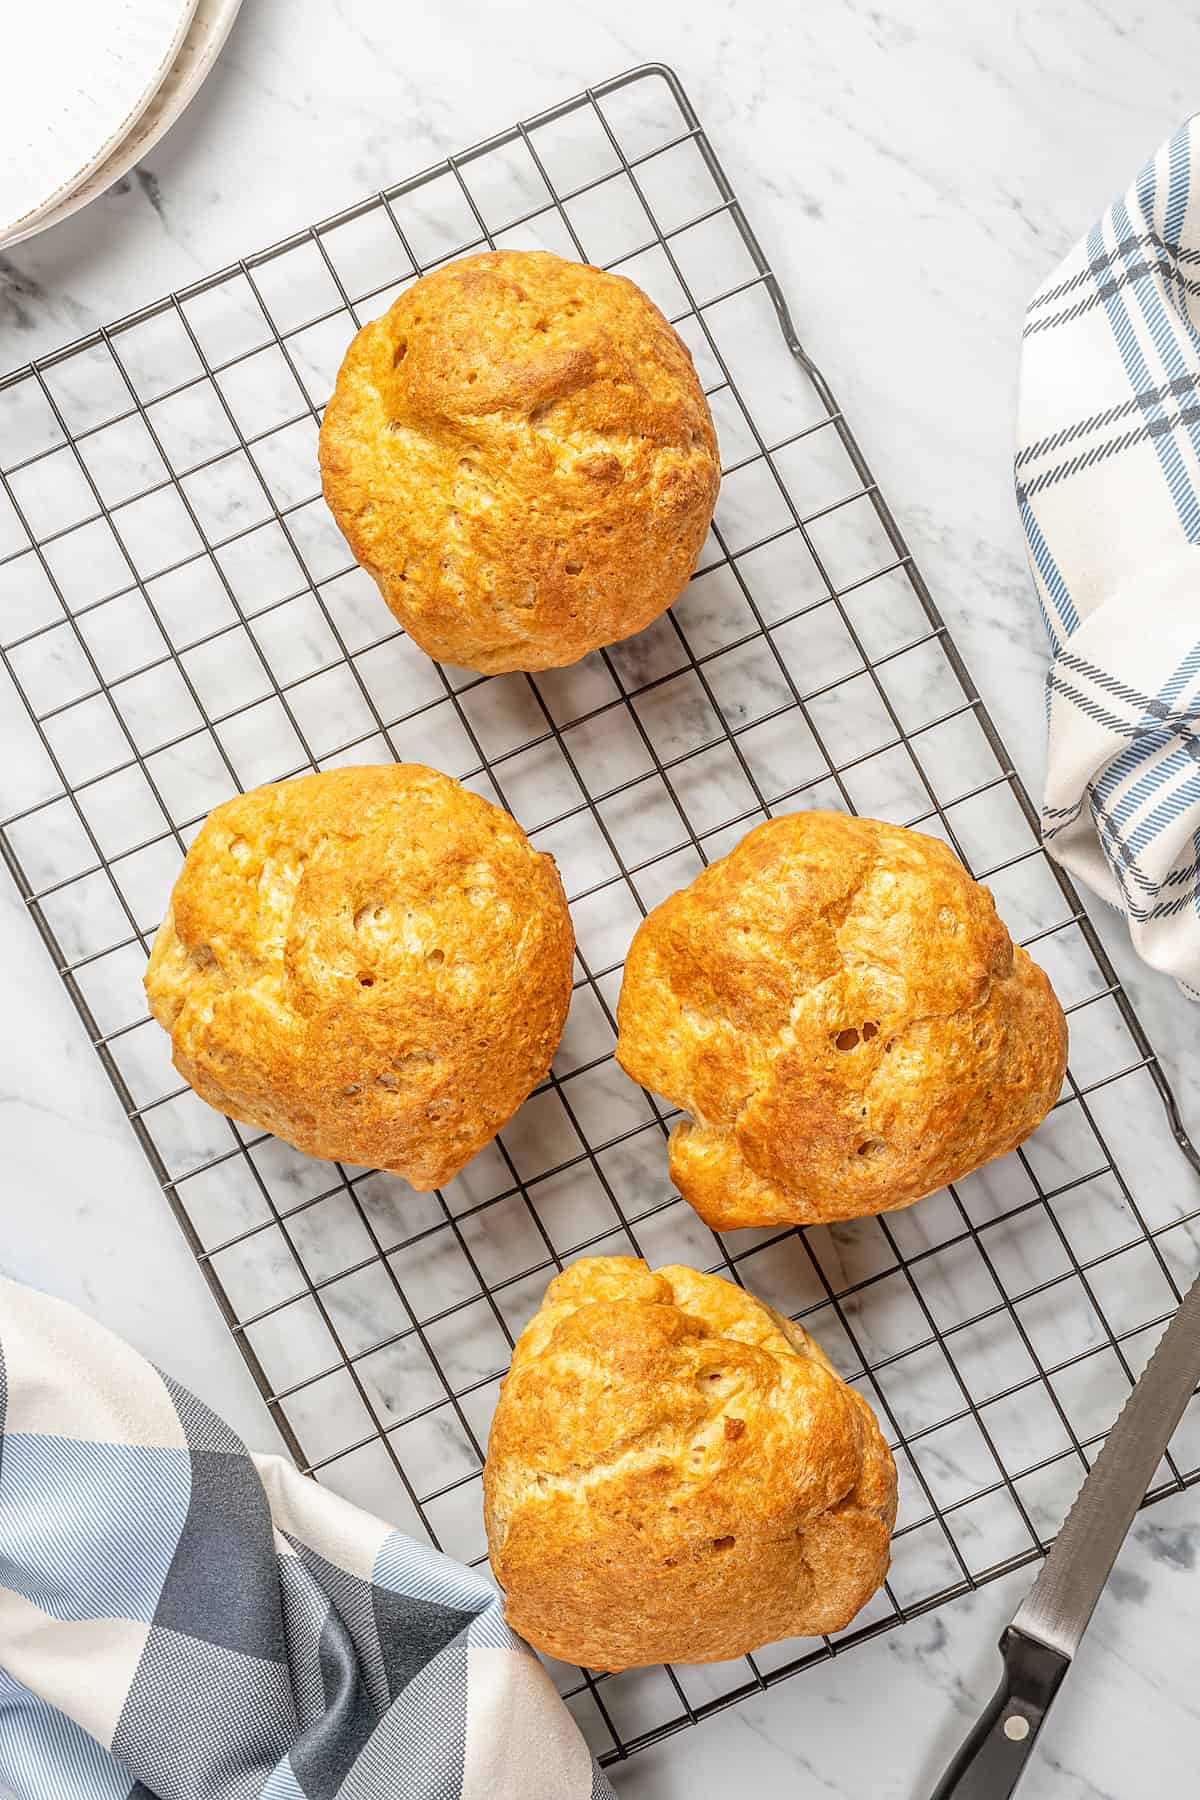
(116, 134)
(127, 153)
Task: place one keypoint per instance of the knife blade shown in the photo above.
(1048, 1625)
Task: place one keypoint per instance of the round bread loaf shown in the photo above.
(521, 455)
(676, 1473)
(372, 963)
(845, 1018)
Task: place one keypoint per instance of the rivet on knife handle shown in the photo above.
(990, 1762)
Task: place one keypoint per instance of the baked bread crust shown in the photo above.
(521, 455)
(844, 1016)
(372, 963)
(676, 1473)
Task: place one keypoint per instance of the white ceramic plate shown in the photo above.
(210, 26)
(78, 76)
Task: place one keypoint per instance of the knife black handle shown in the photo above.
(991, 1761)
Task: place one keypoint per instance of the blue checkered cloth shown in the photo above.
(1108, 485)
(180, 1620)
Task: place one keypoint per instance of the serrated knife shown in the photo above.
(1050, 1622)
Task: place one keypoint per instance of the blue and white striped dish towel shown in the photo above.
(1108, 485)
(180, 1620)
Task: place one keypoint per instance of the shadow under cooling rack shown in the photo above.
(180, 619)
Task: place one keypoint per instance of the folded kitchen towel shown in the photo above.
(1108, 485)
(180, 1620)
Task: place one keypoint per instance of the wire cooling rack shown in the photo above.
(180, 619)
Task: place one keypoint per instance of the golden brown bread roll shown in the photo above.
(521, 455)
(844, 1016)
(676, 1473)
(372, 963)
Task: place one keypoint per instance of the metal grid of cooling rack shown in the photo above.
(179, 619)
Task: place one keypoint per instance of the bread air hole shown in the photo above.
(400, 352)
(573, 568)
(407, 1062)
(871, 1147)
(724, 1543)
(365, 978)
(435, 957)
(848, 1038)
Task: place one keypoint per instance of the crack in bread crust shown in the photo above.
(840, 1010)
(677, 1473)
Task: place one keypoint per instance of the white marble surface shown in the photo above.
(913, 172)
